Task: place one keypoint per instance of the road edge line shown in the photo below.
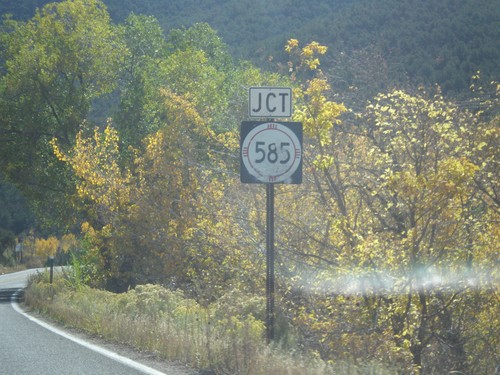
(106, 352)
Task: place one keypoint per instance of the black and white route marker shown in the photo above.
(271, 152)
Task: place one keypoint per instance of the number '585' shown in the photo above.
(271, 152)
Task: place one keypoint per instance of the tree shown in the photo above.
(15, 217)
(145, 48)
(103, 190)
(55, 65)
(145, 215)
(191, 61)
(424, 153)
(400, 213)
(204, 38)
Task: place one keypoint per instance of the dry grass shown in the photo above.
(223, 338)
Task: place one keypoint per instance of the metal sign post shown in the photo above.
(270, 263)
(270, 153)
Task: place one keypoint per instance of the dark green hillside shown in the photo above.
(424, 41)
(252, 28)
(443, 42)
(21, 9)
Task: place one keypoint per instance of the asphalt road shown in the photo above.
(30, 345)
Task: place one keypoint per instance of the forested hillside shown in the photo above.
(416, 42)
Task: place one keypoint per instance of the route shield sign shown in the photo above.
(271, 152)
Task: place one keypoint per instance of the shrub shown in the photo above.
(226, 336)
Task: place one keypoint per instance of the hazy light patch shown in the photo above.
(392, 282)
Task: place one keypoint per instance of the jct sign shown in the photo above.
(270, 102)
(271, 152)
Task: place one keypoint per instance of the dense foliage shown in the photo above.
(374, 44)
(127, 137)
(15, 217)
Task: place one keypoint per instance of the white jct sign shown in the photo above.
(270, 102)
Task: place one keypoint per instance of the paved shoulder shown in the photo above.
(30, 345)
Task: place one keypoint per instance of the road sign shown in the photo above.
(271, 152)
(270, 102)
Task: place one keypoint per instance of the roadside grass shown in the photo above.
(222, 338)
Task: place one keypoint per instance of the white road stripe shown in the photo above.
(108, 353)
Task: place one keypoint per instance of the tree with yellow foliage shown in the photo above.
(154, 220)
(396, 229)
(45, 248)
(52, 246)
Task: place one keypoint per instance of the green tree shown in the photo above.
(15, 217)
(55, 65)
(191, 62)
(145, 48)
(202, 37)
